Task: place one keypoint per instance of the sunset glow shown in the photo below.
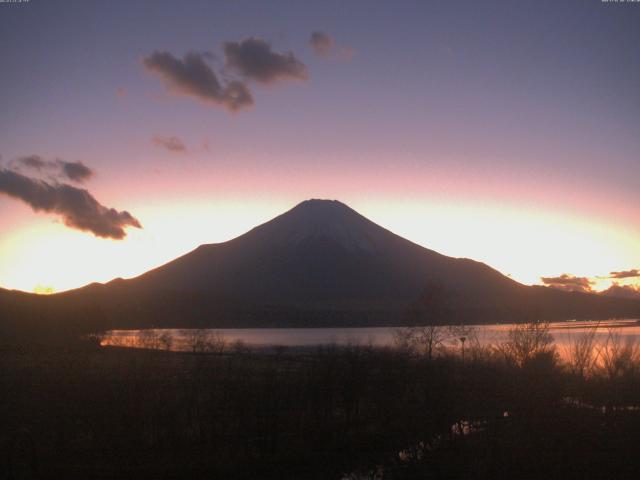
(458, 142)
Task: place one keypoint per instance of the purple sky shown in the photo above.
(501, 131)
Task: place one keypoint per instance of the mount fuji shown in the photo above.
(319, 264)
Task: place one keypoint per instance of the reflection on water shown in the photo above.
(565, 334)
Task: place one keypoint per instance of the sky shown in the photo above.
(506, 132)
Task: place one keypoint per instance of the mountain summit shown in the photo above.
(319, 264)
(328, 219)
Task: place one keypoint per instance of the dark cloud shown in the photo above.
(622, 291)
(569, 283)
(625, 274)
(77, 207)
(321, 43)
(193, 77)
(254, 59)
(75, 171)
(173, 144)
(34, 161)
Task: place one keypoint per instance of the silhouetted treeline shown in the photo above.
(28, 317)
(356, 412)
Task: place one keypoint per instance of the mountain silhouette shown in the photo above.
(320, 253)
(319, 264)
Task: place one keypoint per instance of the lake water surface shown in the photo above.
(564, 333)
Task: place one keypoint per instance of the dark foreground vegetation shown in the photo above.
(510, 412)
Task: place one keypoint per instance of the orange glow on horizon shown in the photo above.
(524, 244)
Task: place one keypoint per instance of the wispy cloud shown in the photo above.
(321, 43)
(193, 77)
(325, 46)
(172, 144)
(76, 206)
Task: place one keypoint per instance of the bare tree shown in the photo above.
(424, 333)
(617, 359)
(426, 340)
(581, 353)
(200, 340)
(527, 341)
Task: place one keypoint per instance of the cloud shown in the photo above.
(325, 46)
(622, 291)
(191, 76)
(625, 274)
(77, 207)
(75, 171)
(321, 43)
(34, 161)
(173, 144)
(254, 59)
(569, 283)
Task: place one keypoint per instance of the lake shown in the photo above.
(564, 334)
